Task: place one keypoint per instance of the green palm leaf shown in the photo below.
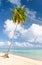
(19, 14)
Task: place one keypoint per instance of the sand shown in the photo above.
(18, 60)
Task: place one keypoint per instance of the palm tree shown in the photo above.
(19, 17)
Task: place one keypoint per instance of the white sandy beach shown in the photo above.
(18, 60)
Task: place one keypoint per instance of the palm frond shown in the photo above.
(20, 15)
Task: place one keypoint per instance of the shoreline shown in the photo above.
(28, 57)
(18, 60)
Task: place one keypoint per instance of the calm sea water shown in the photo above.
(32, 53)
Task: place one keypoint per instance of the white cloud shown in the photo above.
(38, 46)
(23, 44)
(18, 44)
(8, 43)
(1, 43)
(39, 39)
(5, 43)
(31, 13)
(33, 34)
(16, 2)
(27, 45)
(37, 29)
(32, 16)
(9, 28)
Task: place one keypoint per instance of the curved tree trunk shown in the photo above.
(7, 53)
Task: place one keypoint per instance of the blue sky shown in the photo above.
(31, 34)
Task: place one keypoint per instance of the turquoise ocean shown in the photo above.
(30, 53)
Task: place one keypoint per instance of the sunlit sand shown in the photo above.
(18, 60)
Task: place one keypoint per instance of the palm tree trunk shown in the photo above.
(6, 55)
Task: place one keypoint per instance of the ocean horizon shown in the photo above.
(29, 53)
